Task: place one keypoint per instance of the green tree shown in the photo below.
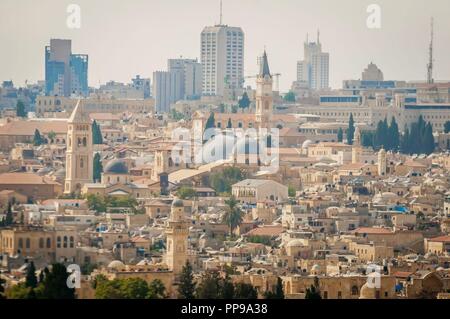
(394, 135)
(350, 130)
(20, 109)
(9, 219)
(31, 279)
(156, 290)
(37, 139)
(186, 289)
(133, 288)
(227, 290)
(291, 191)
(340, 135)
(447, 127)
(51, 136)
(229, 124)
(97, 168)
(367, 138)
(97, 203)
(186, 192)
(19, 291)
(210, 122)
(210, 286)
(245, 291)
(289, 97)
(277, 292)
(233, 216)
(314, 291)
(97, 137)
(55, 284)
(222, 181)
(244, 101)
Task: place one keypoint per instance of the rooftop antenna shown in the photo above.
(220, 12)
(430, 79)
(318, 36)
(307, 37)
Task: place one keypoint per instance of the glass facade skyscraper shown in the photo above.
(65, 73)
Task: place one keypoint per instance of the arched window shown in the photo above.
(81, 163)
(58, 242)
(354, 291)
(49, 243)
(27, 243)
(71, 242)
(20, 243)
(84, 141)
(41, 242)
(65, 242)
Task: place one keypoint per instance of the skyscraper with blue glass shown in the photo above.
(65, 73)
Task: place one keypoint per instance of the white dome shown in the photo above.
(307, 143)
(116, 264)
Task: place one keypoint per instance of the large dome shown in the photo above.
(116, 166)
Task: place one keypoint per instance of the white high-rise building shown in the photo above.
(314, 70)
(188, 84)
(222, 58)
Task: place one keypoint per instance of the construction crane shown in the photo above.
(275, 75)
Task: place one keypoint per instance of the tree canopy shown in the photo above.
(244, 101)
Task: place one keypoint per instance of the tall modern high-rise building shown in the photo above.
(163, 83)
(314, 70)
(182, 81)
(222, 58)
(65, 73)
(188, 79)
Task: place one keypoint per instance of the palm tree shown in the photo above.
(233, 217)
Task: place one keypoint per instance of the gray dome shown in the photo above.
(116, 166)
(177, 203)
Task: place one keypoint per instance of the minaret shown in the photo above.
(177, 231)
(79, 154)
(356, 148)
(382, 164)
(264, 95)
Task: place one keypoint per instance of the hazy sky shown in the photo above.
(125, 38)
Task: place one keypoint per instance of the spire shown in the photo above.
(430, 79)
(220, 23)
(265, 67)
(78, 115)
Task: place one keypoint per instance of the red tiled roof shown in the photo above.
(441, 239)
(274, 230)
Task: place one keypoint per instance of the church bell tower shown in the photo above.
(79, 153)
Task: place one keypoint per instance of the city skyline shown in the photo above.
(139, 38)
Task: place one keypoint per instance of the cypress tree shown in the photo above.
(37, 140)
(98, 168)
(9, 216)
(351, 130)
(31, 279)
(20, 109)
(394, 135)
(186, 289)
(340, 135)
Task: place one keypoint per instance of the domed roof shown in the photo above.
(367, 292)
(295, 243)
(116, 166)
(116, 264)
(307, 143)
(177, 203)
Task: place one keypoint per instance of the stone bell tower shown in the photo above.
(177, 232)
(79, 153)
(264, 95)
